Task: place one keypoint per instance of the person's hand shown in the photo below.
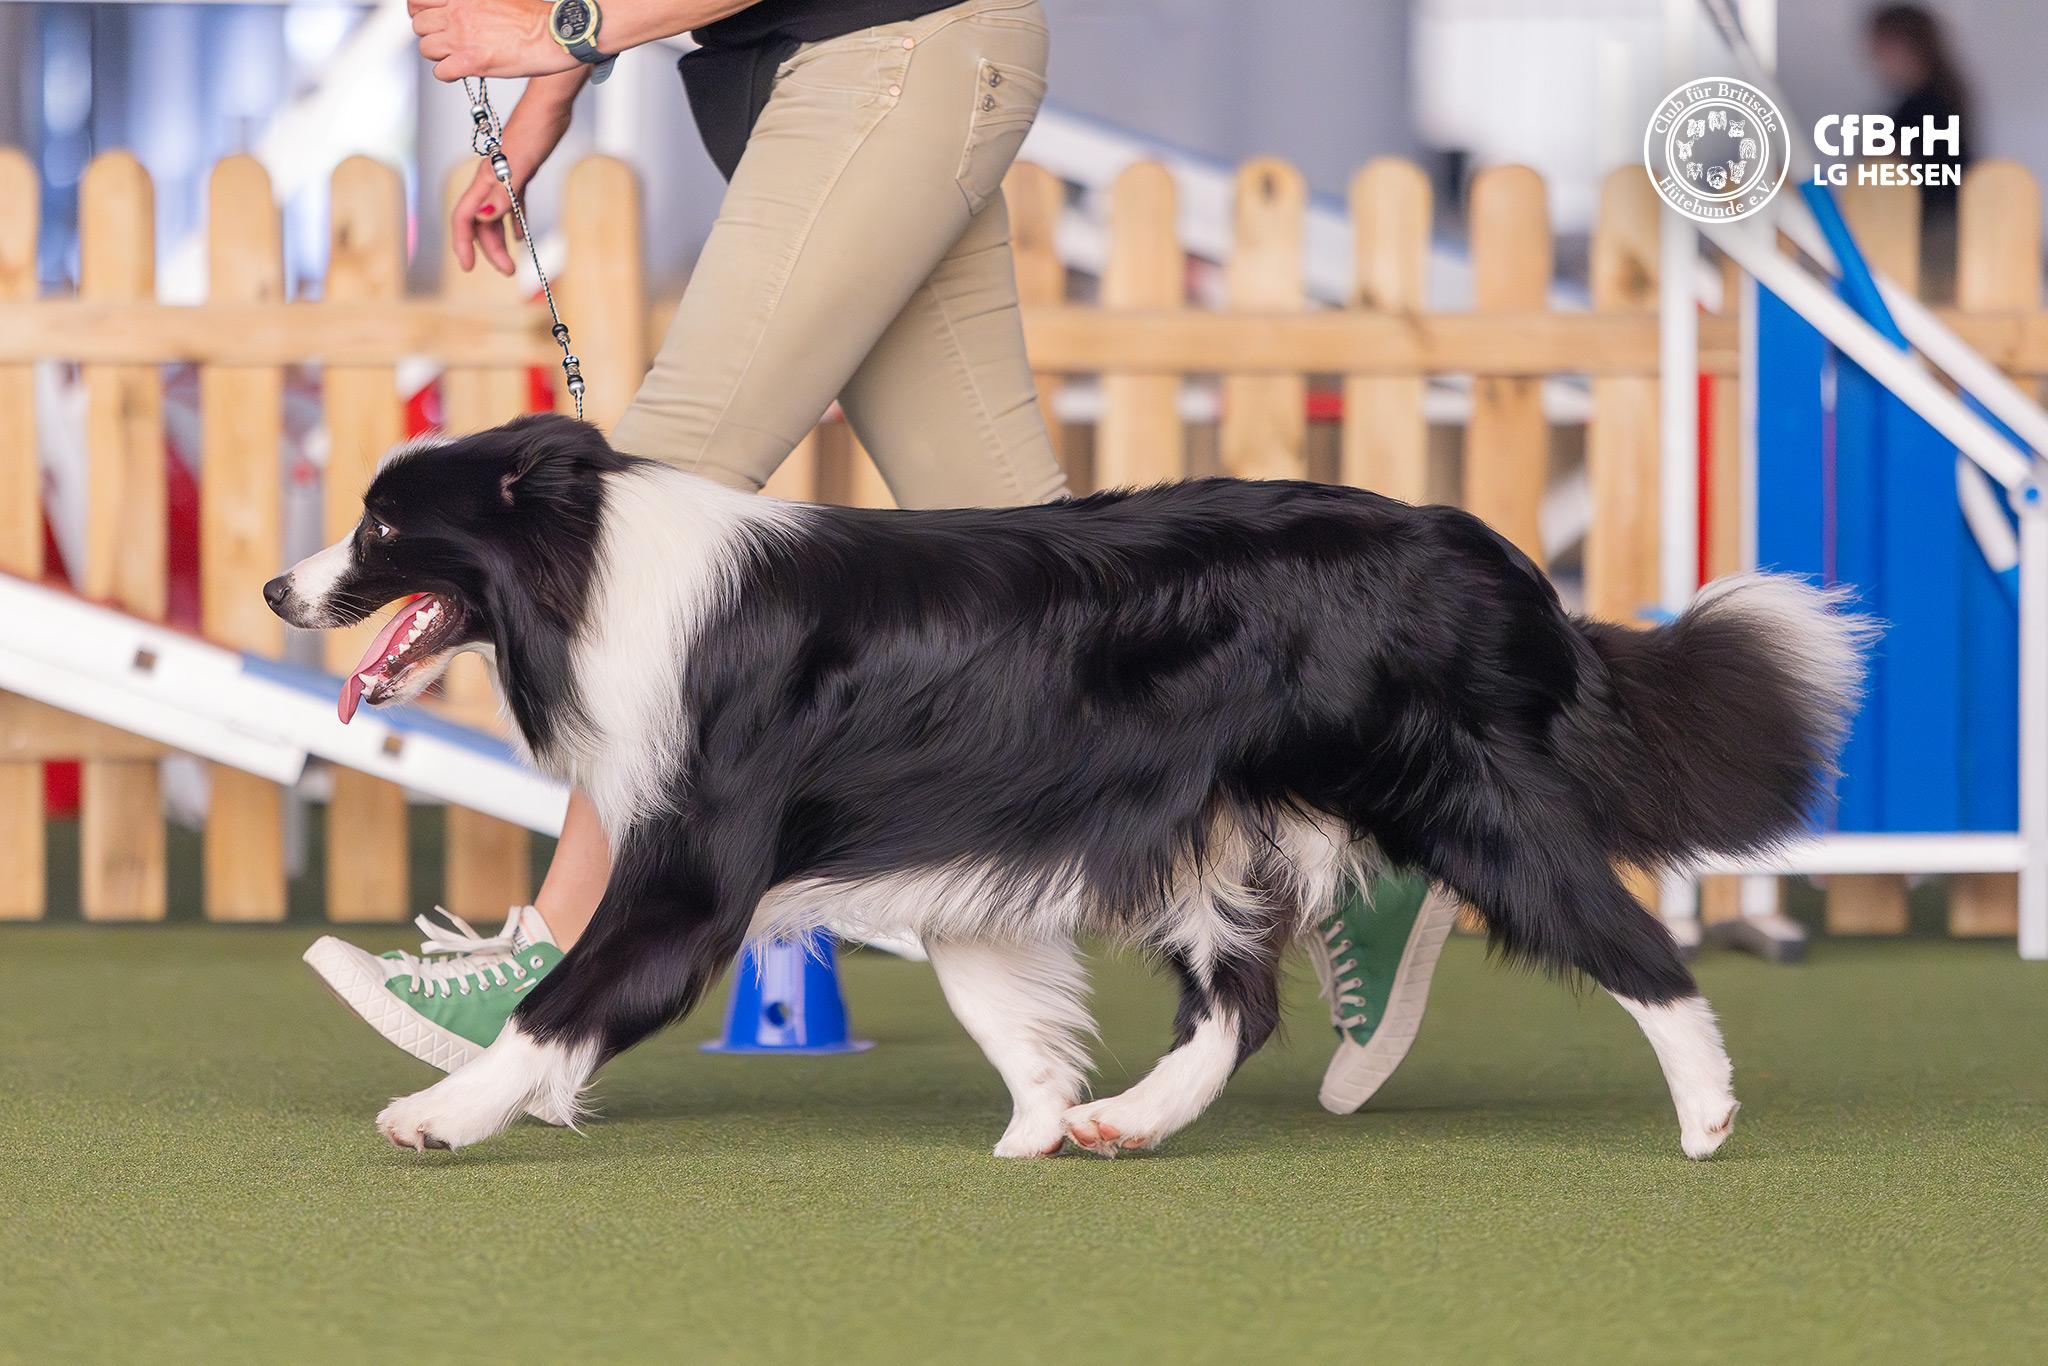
(487, 38)
(478, 220)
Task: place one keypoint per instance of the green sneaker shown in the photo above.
(446, 1007)
(1374, 955)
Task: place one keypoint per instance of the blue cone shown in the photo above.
(786, 999)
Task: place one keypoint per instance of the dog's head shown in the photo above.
(488, 538)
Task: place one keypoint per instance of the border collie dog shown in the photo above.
(1177, 716)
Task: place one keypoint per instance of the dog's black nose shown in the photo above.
(276, 591)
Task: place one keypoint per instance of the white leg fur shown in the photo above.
(1696, 1067)
(1170, 1097)
(1024, 1004)
(485, 1095)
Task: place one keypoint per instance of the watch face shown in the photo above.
(572, 21)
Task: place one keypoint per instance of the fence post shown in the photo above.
(1036, 196)
(1887, 227)
(1265, 417)
(604, 291)
(121, 815)
(1385, 438)
(487, 867)
(1998, 269)
(367, 836)
(1621, 443)
(22, 878)
(241, 532)
(1621, 440)
(1140, 439)
(1507, 441)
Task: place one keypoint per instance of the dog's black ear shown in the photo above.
(550, 451)
(523, 479)
(542, 441)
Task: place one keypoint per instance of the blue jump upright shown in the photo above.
(786, 999)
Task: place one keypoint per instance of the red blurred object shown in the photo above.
(60, 779)
(423, 409)
(181, 583)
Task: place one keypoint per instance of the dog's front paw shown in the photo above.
(438, 1117)
(1108, 1127)
(409, 1123)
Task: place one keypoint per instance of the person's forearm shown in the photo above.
(551, 96)
(465, 38)
(629, 23)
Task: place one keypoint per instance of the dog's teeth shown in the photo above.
(368, 680)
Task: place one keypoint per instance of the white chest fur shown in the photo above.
(671, 556)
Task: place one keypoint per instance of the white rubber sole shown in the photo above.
(1357, 1071)
(357, 980)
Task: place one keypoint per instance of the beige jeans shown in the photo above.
(863, 253)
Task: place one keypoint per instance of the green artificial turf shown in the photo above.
(187, 1172)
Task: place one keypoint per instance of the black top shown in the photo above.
(809, 21)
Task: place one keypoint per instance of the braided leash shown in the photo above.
(485, 140)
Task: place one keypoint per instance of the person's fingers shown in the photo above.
(449, 67)
(490, 235)
(462, 233)
(436, 46)
(419, 7)
(429, 21)
(475, 218)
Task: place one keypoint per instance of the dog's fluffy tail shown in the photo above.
(1721, 728)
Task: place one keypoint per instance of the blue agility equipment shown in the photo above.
(1857, 489)
(1860, 400)
(786, 999)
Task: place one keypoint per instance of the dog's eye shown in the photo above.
(381, 531)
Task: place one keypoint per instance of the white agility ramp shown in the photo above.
(250, 712)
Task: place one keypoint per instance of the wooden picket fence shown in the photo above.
(1141, 337)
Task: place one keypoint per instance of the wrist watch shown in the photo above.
(573, 24)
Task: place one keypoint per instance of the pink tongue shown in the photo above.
(373, 658)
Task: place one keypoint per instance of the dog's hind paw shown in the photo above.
(1701, 1134)
(1031, 1136)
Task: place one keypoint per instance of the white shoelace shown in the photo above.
(460, 953)
(1344, 990)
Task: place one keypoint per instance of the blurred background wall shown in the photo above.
(1327, 84)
